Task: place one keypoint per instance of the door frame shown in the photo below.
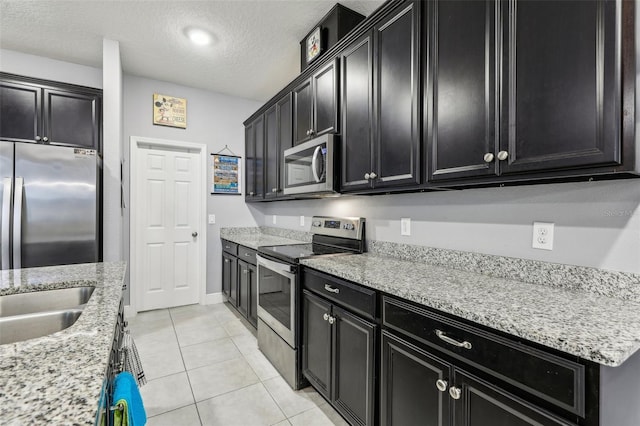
(137, 143)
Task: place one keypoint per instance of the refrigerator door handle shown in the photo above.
(17, 224)
(6, 221)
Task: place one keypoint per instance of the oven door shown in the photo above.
(277, 286)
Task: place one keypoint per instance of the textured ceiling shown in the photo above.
(256, 51)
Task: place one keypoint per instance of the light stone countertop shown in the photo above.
(58, 378)
(264, 236)
(588, 325)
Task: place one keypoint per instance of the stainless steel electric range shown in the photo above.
(279, 289)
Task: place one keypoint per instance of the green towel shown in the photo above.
(121, 417)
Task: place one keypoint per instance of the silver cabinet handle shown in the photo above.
(17, 224)
(442, 385)
(449, 340)
(455, 392)
(332, 320)
(488, 157)
(325, 316)
(227, 247)
(503, 155)
(194, 234)
(247, 254)
(367, 176)
(331, 289)
(45, 139)
(373, 175)
(7, 184)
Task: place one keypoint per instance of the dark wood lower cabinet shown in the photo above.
(338, 358)
(240, 280)
(229, 277)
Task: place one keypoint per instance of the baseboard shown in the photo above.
(129, 311)
(213, 298)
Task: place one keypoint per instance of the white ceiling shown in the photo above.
(256, 51)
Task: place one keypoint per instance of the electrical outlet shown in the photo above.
(212, 219)
(405, 226)
(274, 219)
(301, 220)
(542, 235)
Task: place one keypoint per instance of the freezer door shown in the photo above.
(59, 205)
(6, 199)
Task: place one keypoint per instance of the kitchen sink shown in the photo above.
(28, 326)
(46, 300)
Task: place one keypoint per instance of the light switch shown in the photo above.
(274, 219)
(405, 226)
(212, 219)
(301, 220)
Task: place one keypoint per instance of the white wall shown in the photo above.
(596, 223)
(212, 119)
(49, 69)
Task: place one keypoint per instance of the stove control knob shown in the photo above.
(348, 226)
(316, 224)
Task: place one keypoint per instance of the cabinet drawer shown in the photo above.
(544, 375)
(247, 254)
(229, 247)
(357, 298)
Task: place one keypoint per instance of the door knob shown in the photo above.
(194, 234)
(502, 155)
(488, 157)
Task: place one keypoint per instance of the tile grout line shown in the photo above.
(186, 372)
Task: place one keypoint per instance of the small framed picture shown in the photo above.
(169, 111)
(314, 44)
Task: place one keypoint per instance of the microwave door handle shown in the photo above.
(314, 162)
(6, 221)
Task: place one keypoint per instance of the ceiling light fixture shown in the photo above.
(198, 36)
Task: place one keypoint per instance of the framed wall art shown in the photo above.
(169, 111)
(227, 174)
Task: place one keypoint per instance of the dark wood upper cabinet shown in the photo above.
(356, 65)
(272, 151)
(462, 130)
(396, 91)
(254, 151)
(561, 85)
(380, 104)
(285, 134)
(41, 112)
(20, 112)
(316, 104)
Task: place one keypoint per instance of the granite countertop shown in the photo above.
(58, 378)
(256, 237)
(581, 323)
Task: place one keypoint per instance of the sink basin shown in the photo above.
(28, 326)
(46, 300)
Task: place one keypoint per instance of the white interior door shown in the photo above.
(168, 216)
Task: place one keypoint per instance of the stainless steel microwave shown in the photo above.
(309, 168)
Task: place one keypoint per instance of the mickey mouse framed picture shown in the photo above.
(314, 44)
(169, 111)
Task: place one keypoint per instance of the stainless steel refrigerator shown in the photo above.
(50, 199)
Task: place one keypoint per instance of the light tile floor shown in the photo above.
(203, 367)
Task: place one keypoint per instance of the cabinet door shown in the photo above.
(484, 404)
(316, 342)
(408, 392)
(353, 367)
(250, 164)
(19, 112)
(285, 134)
(72, 119)
(253, 295)
(396, 88)
(272, 150)
(561, 85)
(462, 110)
(357, 114)
(325, 99)
(243, 287)
(229, 267)
(302, 123)
(233, 280)
(258, 129)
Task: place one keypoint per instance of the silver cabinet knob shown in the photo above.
(332, 320)
(455, 392)
(488, 157)
(45, 139)
(367, 176)
(274, 190)
(311, 131)
(442, 385)
(194, 234)
(38, 138)
(252, 193)
(373, 175)
(226, 261)
(502, 155)
(325, 317)
(307, 133)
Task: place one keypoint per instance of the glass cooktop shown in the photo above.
(294, 252)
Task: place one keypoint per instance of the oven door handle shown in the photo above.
(275, 266)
